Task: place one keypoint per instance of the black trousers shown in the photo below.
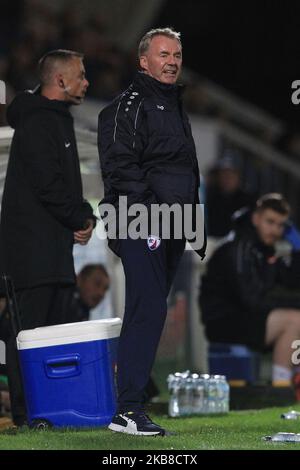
(149, 276)
(39, 306)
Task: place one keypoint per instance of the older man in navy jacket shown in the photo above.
(147, 153)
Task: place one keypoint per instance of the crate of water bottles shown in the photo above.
(194, 394)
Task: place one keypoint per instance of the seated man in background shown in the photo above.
(92, 284)
(238, 296)
(225, 195)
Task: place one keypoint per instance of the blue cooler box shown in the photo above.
(69, 372)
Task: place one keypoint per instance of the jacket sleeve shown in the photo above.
(120, 146)
(242, 275)
(251, 290)
(44, 171)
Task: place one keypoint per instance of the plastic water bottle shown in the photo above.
(198, 395)
(189, 389)
(205, 380)
(226, 388)
(283, 437)
(220, 393)
(223, 394)
(212, 395)
(182, 397)
(174, 386)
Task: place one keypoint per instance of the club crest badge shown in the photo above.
(153, 242)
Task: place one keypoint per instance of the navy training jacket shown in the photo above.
(146, 148)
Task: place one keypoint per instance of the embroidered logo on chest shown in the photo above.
(153, 242)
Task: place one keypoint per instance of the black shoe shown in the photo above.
(136, 423)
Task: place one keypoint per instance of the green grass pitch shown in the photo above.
(237, 430)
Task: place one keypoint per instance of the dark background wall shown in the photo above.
(250, 47)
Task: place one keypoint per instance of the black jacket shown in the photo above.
(243, 275)
(42, 202)
(146, 148)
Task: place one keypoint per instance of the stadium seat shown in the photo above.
(236, 361)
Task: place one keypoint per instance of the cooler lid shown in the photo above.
(69, 333)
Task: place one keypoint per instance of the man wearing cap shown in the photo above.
(225, 195)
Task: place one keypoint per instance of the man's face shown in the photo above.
(93, 288)
(163, 60)
(270, 225)
(74, 81)
(229, 180)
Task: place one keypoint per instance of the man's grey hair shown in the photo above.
(147, 38)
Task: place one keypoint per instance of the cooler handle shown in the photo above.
(63, 366)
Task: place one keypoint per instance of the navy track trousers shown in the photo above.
(148, 275)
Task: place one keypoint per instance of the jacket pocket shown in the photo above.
(173, 185)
